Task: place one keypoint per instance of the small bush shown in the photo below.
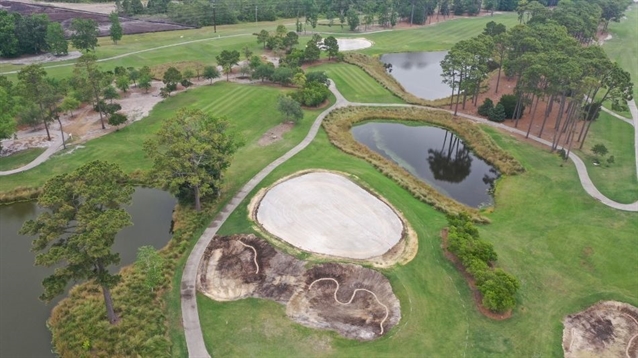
(486, 107)
(497, 114)
(509, 104)
(476, 255)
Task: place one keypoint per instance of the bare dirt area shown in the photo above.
(43, 58)
(326, 213)
(354, 301)
(65, 15)
(275, 134)
(606, 329)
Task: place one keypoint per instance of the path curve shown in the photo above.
(52, 149)
(190, 314)
(354, 293)
(254, 258)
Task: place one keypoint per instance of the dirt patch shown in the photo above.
(606, 329)
(354, 301)
(65, 15)
(476, 294)
(275, 134)
(43, 58)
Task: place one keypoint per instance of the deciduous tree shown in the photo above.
(210, 73)
(227, 59)
(116, 28)
(84, 34)
(55, 39)
(190, 153)
(76, 232)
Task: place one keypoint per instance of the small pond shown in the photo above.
(23, 332)
(434, 155)
(419, 73)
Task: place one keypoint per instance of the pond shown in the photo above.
(419, 73)
(434, 155)
(23, 332)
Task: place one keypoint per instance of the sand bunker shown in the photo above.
(606, 329)
(353, 44)
(354, 301)
(328, 214)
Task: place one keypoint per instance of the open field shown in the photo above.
(623, 47)
(567, 268)
(568, 250)
(616, 181)
(430, 38)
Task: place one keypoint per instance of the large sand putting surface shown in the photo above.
(328, 214)
(353, 44)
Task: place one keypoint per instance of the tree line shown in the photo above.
(549, 61)
(35, 34)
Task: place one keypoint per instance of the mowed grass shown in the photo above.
(623, 46)
(617, 181)
(20, 158)
(251, 110)
(568, 250)
(441, 36)
(355, 85)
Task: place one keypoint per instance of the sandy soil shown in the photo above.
(43, 58)
(606, 329)
(356, 302)
(328, 214)
(102, 8)
(275, 134)
(349, 44)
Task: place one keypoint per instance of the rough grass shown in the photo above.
(616, 181)
(623, 47)
(339, 123)
(21, 158)
(568, 250)
(355, 85)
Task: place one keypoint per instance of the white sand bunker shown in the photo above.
(353, 44)
(328, 214)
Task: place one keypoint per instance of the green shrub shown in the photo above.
(497, 286)
(497, 114)
(509, 105)
(486, 107)
(312, 94)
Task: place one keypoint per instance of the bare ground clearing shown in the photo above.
(65, 15)
(606, 329)
(354, 301)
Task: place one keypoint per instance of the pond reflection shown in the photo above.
(418, 72)
(434, 155)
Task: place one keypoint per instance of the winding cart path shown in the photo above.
(190, 314)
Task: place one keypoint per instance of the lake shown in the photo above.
(419, 73)
(434, 155)
(23, 331)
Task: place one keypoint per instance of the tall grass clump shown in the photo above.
(339, 122)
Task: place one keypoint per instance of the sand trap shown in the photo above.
(328, 214)
(353, 44)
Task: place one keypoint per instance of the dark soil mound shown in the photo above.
(355, 301)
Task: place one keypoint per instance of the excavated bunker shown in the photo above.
(328, 214)
(354, 301)
(606, 329)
